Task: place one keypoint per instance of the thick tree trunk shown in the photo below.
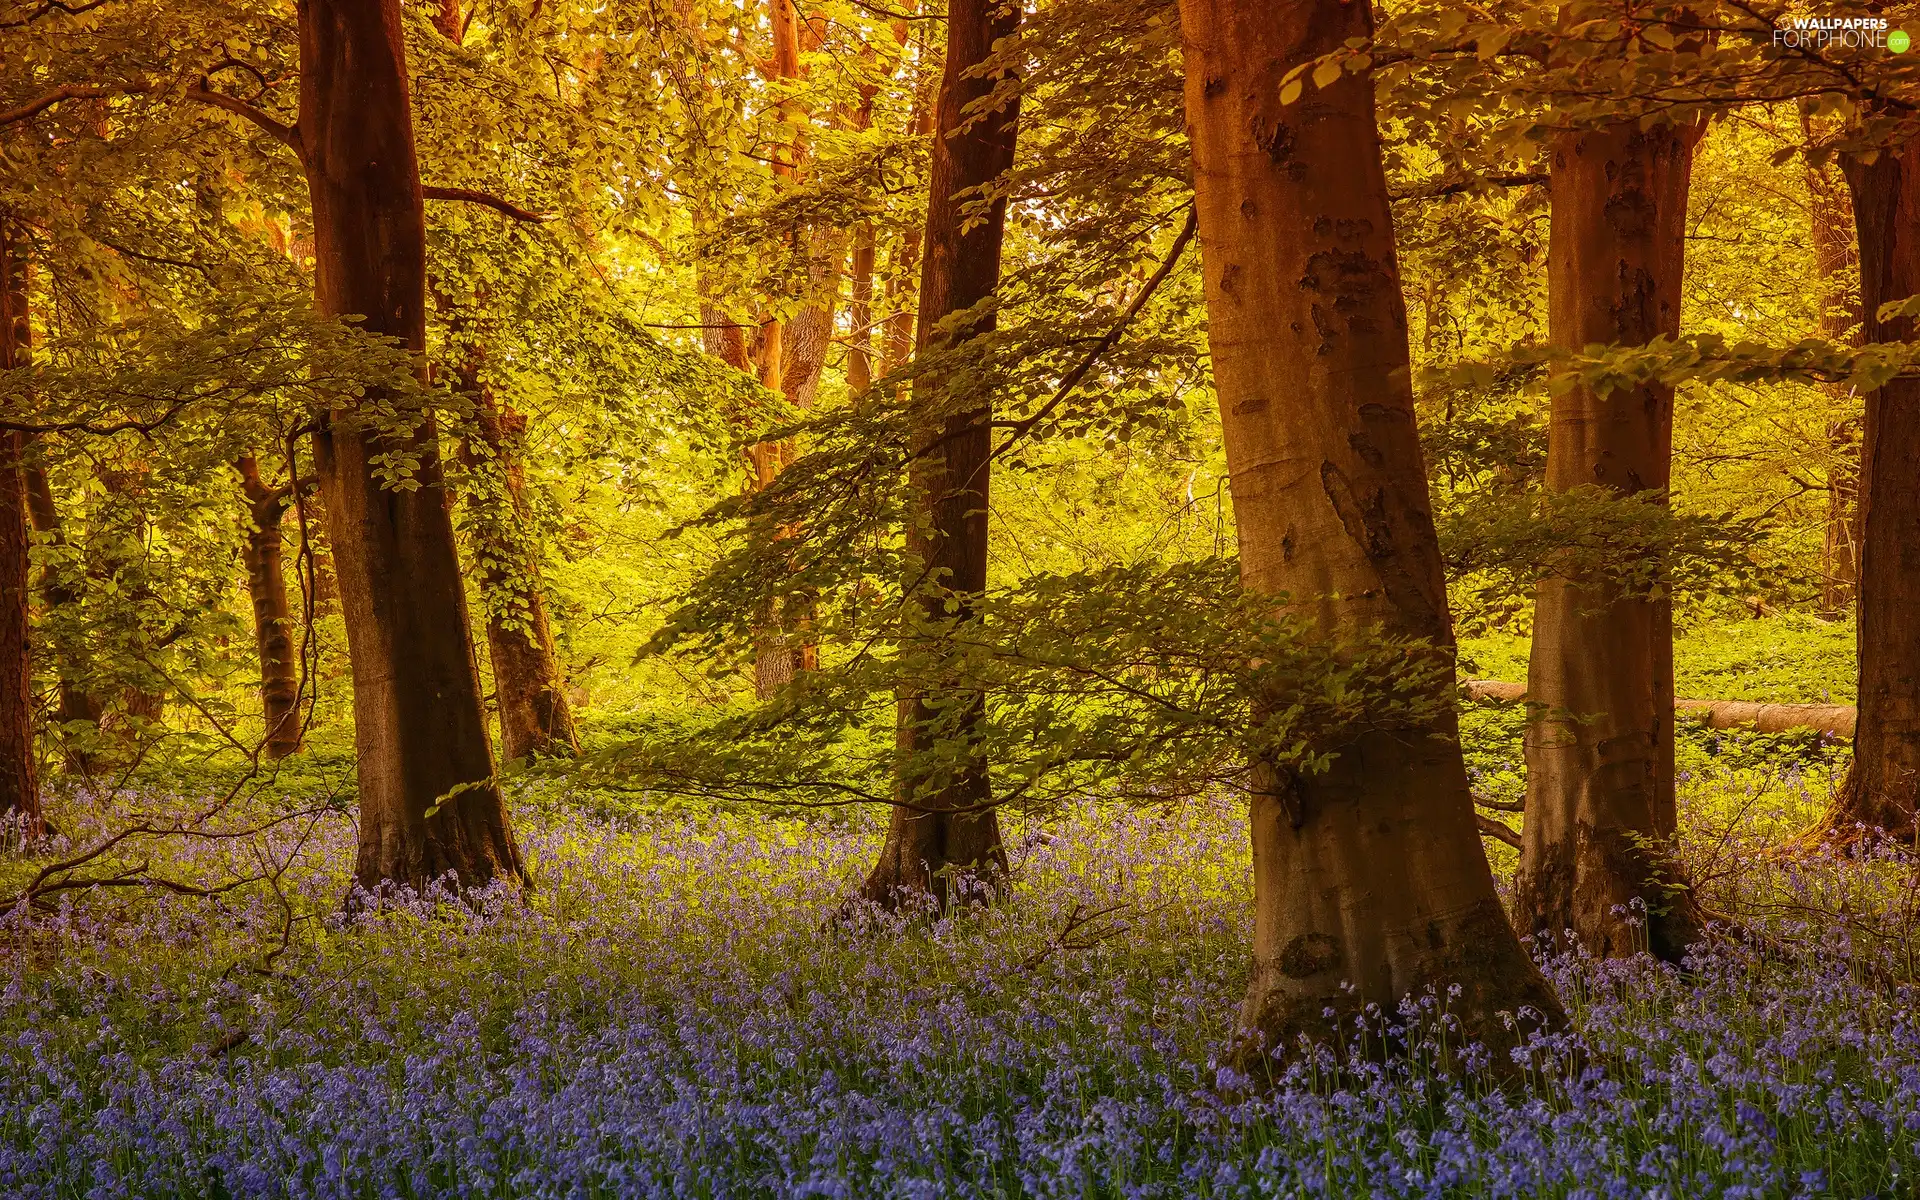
(1370, 882)
(19, 762)
(273, 622)
(944, 831)
(1830, 219)
(1880, 790)
(528, 686)
(420, 725)
(1600, 799)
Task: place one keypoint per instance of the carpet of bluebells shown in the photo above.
(674, 1011)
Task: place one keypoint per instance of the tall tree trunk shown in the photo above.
(420, 725)
(57, 595)
(860, 312)
(1880, 790)
(272, 617)
(896, 343)
(1600, 801)
(1369, 879)
(945, 827)
(1835, 257)
(19, 762)
(528, 685)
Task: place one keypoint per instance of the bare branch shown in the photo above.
(66, 91)
(287, 135)
(473, 196)
(1496, 830)
(1453, 185)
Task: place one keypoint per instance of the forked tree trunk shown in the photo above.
(528, 686)
(273, 622)
(1835, 258)
(19, 784)
(1369, 879)
(1881, 786)
(420, 726)
(1599, 747)
(944, 831)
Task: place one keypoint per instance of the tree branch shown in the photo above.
(287, 135)
(1453, 185)
(66, 91)
(52, 6)
(487, 199)
(1079, 372)
(1497, 831)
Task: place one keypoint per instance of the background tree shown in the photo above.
(1600, 799)
(943, 826)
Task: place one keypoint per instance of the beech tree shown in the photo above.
(273, 622)
(19, 782)
(1884, 780)
(943, 827)
(1369, 879)
(429, 804)
(1600, 798)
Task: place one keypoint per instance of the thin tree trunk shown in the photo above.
(420, 725)
(945, 829)
(19, 761)
(272, 616)
(897, 341)
(528, 685)
(1370, 882)
(860, 312)
(1600, 799)
(1881, 786)
(1830, 218)
(57, 595)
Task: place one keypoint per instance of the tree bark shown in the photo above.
(528, 686)
(273, 622)
(1830, 219)
(19, 761)
(1370, 882)
(56, 595)
(860, 311)
(1600, 801)
(420, 725)
(1880, 789)
(944, 832)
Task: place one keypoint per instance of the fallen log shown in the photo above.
(1834, 720)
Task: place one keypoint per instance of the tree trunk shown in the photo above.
(420, 726)
(1599, 746)
(272, 617)
(1880, 789)
(19, 762)
(944, 828)
(1370, 882)
(860, 311)
(1830, 218)
(57, 595)
(528, 685)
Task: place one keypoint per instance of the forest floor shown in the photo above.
(673, 1011)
